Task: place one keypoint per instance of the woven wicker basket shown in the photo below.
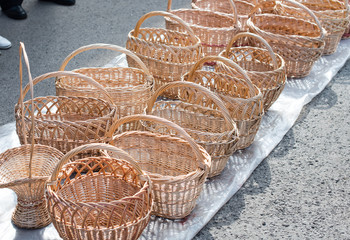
(25, 170)
(230, 82)
(65, 122)
(203, 116)
(167, 54)
(99, 197)
(177, 166)
(130, 88)
(265, 68)
(298, 41)
(214, 29)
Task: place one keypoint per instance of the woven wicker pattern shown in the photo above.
(203, 116)
(298, 41)
(265, 68)
(167, 54)
(99, 197)
(129, 88)
(214, 29)
(64, 122)
(243, 100)
(177, 166)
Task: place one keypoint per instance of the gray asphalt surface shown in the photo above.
(301, 191)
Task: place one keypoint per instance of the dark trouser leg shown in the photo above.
(6, 4)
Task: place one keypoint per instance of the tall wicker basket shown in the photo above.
(99, 197)
(130, 88)
(214, 29)
(25, 170)
(231, 83)
(298, 41)
(167, 54)
(265, 68)
(177, 166)
(204, 116)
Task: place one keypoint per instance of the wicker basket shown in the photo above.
(214, 29)
(203, 116)
(177, 166)
(346, 34)
(265, 68)
(25, 170)
(99, 197)
(167, 54)
(65, 122)
(243, 100)
(298, 41)
(130, 88)
(332, 14)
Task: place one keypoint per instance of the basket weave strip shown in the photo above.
(298, 41)
(129, 88)
(265, 69)
(99, 197)
(177, 166)
(243, 100)
(204, 116)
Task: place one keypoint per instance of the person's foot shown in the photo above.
(4, 43)
(15, 12)
(62, 2)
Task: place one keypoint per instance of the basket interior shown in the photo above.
(243, 7)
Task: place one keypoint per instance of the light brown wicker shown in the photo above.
(167, 54)
(203, 116)
(214, 29)
(298, 41)
(231, 83)
(25, 170)
(265, 68)
(346, 34)
(65, 122)
(177, 166)
(130, 88)
(99, 197)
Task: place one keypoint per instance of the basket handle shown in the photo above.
(251, 35)
(116, 124)
(165, 14)
(227, 62)
(93, 146)
(105, 46)
(72, 74)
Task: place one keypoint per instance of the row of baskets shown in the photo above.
(119, 144)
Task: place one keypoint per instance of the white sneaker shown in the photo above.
(4, 43)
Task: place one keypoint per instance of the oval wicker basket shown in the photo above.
(177, 166)
(65, 122)
(130, 88)
(214, 29)
(203, 116)
(265, 69)
(99, 197)
(167, 54)
(298, 41)
(231, 83)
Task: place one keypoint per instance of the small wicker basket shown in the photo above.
(99, 197)
(214, 29)
(203, 116)
(177, 166)
(231, 83)
(130, 88)
(167, 54)
(265, 68)
(298, 41)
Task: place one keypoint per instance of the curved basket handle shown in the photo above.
(105, 46)
(165, 14)
(94, 146)
(72, 74)
(251, 35)
(116, 124)
(227, 62)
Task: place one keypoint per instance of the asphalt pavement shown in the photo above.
(301, 191)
